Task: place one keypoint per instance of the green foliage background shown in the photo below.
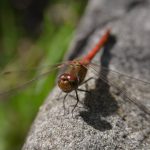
(20, 49)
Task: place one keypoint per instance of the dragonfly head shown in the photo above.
(67, 82)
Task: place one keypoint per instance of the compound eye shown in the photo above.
(65, 78)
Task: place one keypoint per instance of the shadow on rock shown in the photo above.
(100, 103)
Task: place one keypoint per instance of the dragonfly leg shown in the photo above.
(87, 80)
(64, 102)
(86, 91)
(77, 98)
(86, 85)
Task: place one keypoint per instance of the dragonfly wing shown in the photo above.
(12, 81)
(131, 89)
(117, 73)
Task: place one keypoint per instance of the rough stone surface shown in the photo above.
(104, 119)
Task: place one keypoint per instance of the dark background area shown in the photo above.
(31, 32)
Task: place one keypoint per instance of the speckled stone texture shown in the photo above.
(104, 119)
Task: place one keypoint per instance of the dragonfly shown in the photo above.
(75, 73)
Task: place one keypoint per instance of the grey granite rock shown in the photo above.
(105, 119)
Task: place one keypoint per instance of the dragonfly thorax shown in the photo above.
(73, 77)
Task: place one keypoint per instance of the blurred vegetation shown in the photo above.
(32, 33)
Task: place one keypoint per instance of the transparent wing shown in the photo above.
(129, 88)
(14, 80)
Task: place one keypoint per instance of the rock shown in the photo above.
(104, 119)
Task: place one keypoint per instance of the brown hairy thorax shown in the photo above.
(73, 76)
